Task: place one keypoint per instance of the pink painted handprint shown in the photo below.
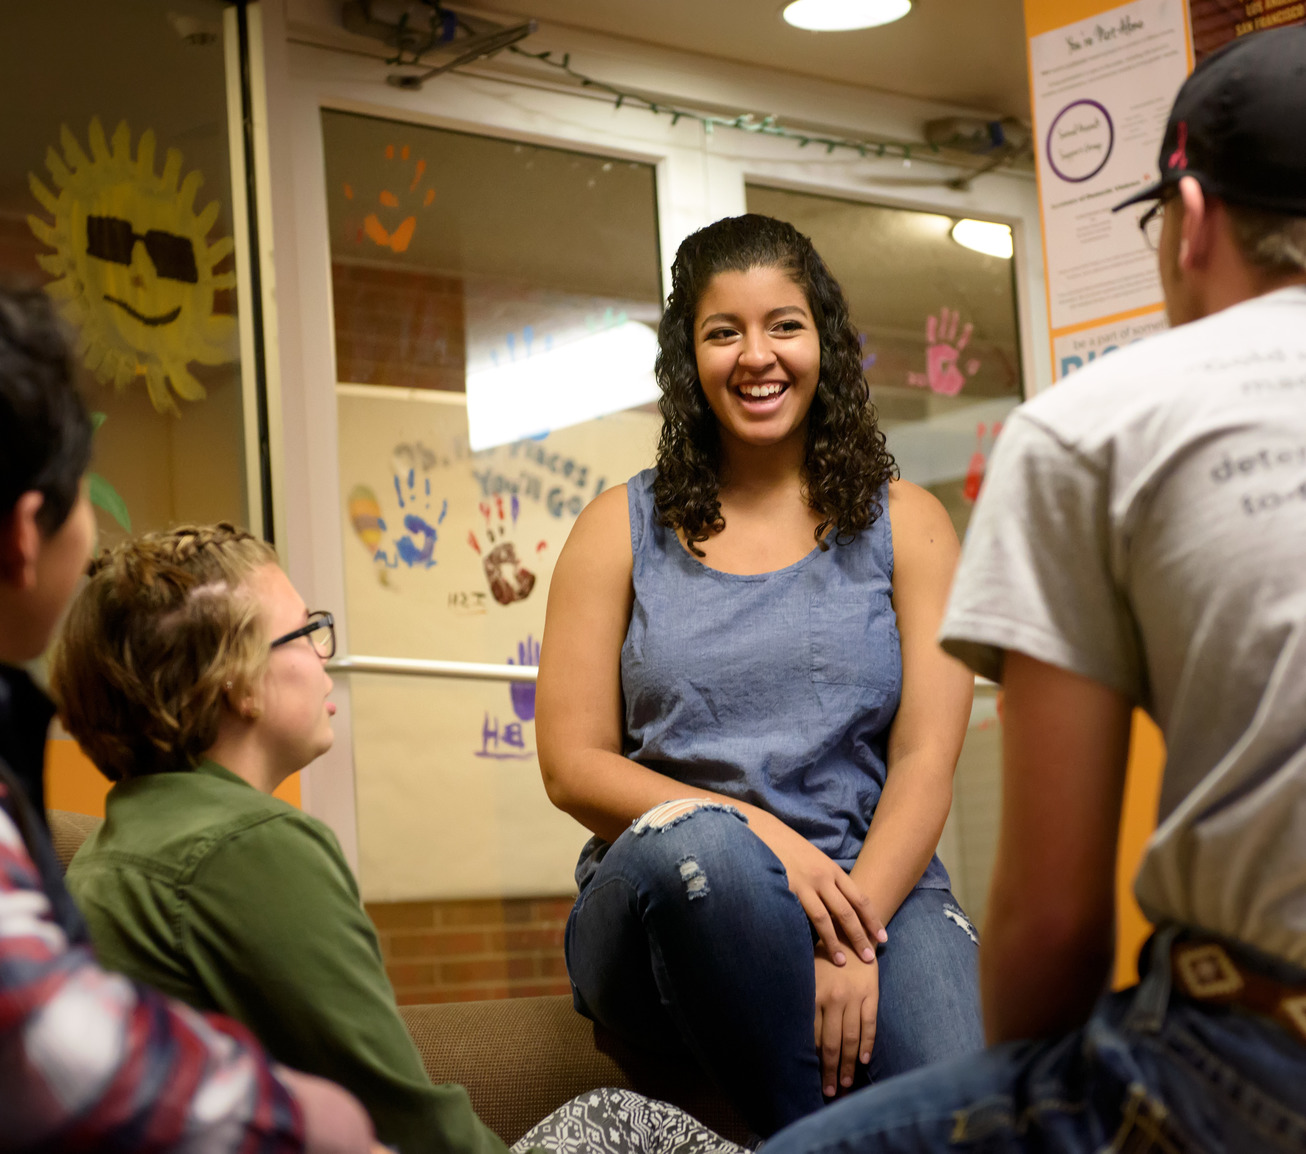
(943, 349)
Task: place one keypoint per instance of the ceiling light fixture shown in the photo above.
(844, 15)
(986, 236)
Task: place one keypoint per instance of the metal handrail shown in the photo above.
(417, 667)
(467, 670)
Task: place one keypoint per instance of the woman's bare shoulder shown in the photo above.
(915, 508)
(602, 531)
(922, 528)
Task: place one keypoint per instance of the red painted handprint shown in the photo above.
(970, 489)
(507, 578)
(943, 349)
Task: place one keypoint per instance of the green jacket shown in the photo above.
(233, 901)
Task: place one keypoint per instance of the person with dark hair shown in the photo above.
(1141, 541)
(741, 696)
(91, 1061)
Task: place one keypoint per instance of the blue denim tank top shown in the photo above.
(776, 689)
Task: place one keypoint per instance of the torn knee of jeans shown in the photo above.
(671, 813)
(954, 914)
(692, 877)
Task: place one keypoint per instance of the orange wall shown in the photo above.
(1137, 822)
(74, 784)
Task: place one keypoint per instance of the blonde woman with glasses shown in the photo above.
(194, 676)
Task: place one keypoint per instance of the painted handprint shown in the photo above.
(943, 349)
(523, 692)
(970, 489)
(868, 359)
(417, 548)
(504, 573)
(398, 238)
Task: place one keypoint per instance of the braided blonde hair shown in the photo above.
(154, 641)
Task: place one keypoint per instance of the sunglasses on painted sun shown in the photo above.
(113, 239)
(320, 631)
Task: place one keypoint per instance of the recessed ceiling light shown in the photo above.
(844, 15)
(986, 236)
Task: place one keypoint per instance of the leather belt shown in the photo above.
(1207, 972)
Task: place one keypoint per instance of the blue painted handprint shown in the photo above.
(412, 553)
(417, 550)
(523, 692)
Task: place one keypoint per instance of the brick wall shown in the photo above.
(469, 950)
(398, 328)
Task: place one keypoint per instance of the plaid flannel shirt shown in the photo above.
(90, 1061)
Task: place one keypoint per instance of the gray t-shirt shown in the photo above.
(1144, 524)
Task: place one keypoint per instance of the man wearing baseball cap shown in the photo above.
(1141, 541)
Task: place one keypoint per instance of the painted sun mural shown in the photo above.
(132, 264)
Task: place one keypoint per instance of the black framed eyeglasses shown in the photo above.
(1151, 221)
(320, 631)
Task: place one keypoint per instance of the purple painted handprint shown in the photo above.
(943, 349)
(523, 692)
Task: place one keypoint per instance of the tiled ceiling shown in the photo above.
(968, 52)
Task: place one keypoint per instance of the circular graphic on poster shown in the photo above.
(1080, 141)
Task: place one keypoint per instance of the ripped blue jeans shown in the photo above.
(687, 939)
(1151, 1072)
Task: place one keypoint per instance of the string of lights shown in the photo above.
(745, 122)
(479, 44)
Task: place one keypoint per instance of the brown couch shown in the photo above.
(519, 1058)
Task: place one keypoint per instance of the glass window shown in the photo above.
(495, 306)
(942, 351)
(115, 195)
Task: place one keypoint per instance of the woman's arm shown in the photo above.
(927, 733)
(579, 723)
(578, 705)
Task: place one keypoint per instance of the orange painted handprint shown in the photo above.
(398, 238)
(943, 349)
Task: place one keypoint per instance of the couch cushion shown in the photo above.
(522, 1058)
(68, 831)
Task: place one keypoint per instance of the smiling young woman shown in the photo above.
(740, 648)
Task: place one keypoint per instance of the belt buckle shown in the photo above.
(1207, 972)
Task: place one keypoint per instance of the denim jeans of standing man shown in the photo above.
(1152, 1070)
(687, 938)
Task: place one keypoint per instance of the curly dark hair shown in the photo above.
(846, 463)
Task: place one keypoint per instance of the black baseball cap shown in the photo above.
(1238, 126)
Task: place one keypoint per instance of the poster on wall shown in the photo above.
(448, 555)
(1102, 88)
(1077, 350)
(1219, 22)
